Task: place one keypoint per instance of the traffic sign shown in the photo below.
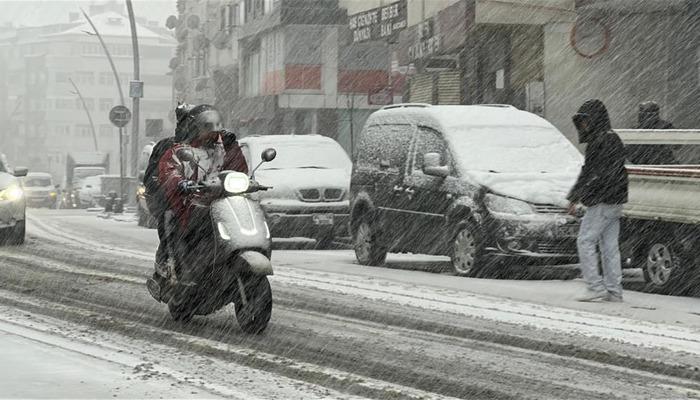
(119, 116)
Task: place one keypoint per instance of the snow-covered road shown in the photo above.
(372, 331)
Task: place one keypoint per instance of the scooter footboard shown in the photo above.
(258, 263)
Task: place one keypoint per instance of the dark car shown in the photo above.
(477, 183)
(310, 179)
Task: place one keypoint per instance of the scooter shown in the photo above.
(223, 255)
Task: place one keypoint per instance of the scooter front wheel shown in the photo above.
(254, 314)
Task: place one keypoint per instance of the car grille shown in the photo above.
(310, 194)
(557, 247)
(332, 194)
(328, 194)
(549, 209)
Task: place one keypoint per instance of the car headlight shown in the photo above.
(52, 194)
(11, 193)
(507, 205)
(141, 191)
(236, 182)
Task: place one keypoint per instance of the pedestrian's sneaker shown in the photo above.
(613, 298)
(591, 295)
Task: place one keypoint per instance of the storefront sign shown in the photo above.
(379, 23)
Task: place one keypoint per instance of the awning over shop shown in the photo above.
(524, 12)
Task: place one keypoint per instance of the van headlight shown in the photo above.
(11, 193)
(236, 182)
(507, 205)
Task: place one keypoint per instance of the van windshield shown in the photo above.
(514, 149)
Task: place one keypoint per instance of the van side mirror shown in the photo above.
(20, 172)
(432, 167)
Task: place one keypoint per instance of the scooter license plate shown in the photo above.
(568, 230)
(323, 219)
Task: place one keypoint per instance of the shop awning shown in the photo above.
(524, 12)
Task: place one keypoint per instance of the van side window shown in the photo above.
(428, 141)
(385, 143)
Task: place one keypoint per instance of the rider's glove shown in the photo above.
(228, 137)
(185, 186)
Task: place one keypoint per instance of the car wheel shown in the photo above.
(368, 248)
(467, 253)
(665, 267)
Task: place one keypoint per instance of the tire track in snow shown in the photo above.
(570, 322)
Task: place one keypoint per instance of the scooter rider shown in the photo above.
(215, 149)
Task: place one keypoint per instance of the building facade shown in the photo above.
(47, 118)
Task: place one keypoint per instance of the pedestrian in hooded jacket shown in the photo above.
(650, 118)
(602, 187)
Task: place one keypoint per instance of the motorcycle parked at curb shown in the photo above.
(223, 255)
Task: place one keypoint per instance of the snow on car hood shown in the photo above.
(537, 188)
(286, 182)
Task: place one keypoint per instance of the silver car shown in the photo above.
(12, 205)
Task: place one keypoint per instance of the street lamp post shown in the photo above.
(135, 91)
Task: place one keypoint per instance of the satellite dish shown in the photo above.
(171, 22)
(193, 21)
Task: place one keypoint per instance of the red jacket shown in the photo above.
(171, 171)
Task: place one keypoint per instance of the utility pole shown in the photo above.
(135, 92)
(82, 100)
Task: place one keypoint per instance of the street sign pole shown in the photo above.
(120, 116)
(121, 163)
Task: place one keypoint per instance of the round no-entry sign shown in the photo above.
(119, 116)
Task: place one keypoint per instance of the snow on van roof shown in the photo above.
(457, 115)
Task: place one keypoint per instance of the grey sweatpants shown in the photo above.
(601, 227)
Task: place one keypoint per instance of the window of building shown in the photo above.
(62, 77)
(235, 17)
(85, 77)
(64, 104)
(106, 130)
(83, 131)
(106, 104)
(106, 78)
(89, 104)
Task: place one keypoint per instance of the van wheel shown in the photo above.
(368, 249)
(664, 268)
(467, 253)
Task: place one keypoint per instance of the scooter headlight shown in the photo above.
(236, 182)
(12, 193)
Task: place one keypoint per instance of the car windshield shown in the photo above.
(37, 182)
(514, 149)
(304, 155)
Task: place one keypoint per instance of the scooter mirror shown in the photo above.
(185, 154)
(269, 155)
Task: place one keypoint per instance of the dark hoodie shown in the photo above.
(603, 177)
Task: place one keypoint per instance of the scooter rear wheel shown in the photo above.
(254, 316)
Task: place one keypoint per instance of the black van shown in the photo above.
(476, 183)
